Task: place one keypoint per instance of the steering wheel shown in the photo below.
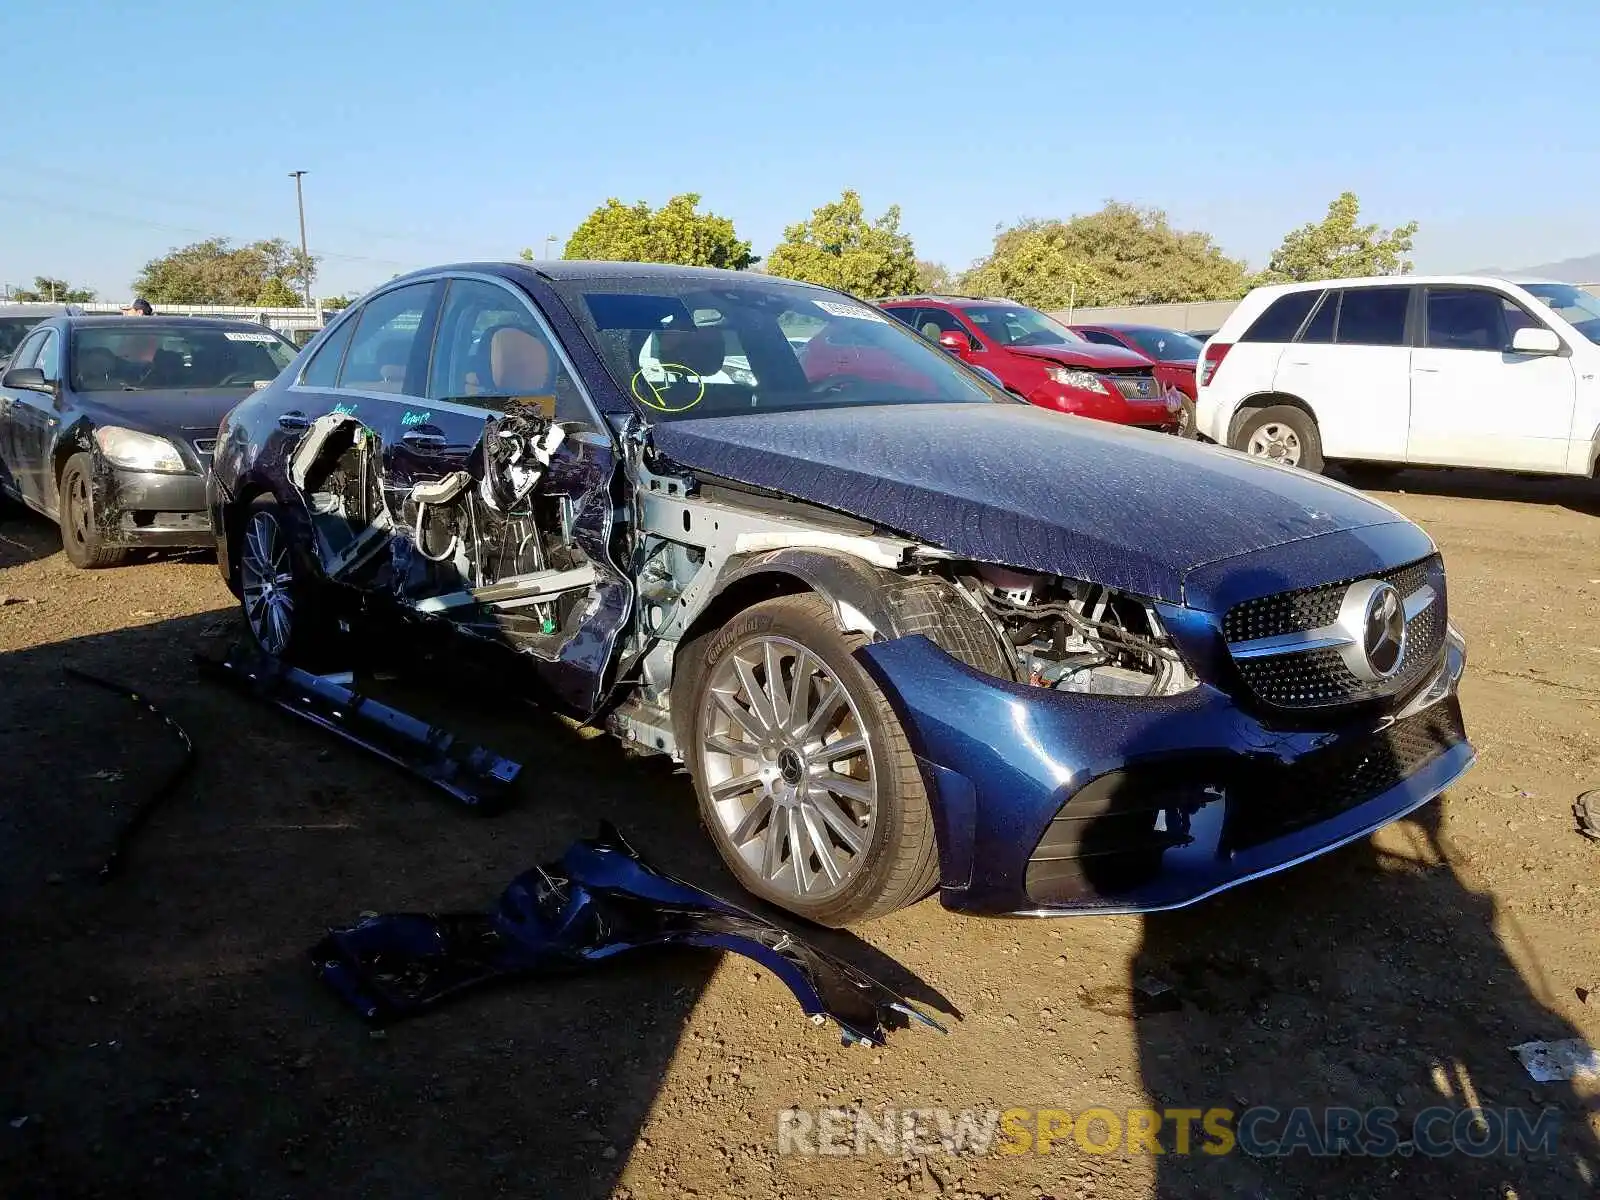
(838, 385)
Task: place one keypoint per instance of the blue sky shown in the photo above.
(436, 132)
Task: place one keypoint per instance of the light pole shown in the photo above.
(549, 237)
(305, 256)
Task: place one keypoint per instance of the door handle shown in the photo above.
(294, 420)
(1424, 370)
(423, 438)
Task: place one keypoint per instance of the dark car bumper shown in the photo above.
(1048, 802)
(154, 510)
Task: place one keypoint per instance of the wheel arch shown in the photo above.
(1261, 400)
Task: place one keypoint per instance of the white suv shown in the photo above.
(1456, 370)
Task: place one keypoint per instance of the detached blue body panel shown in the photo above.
(1047, 801)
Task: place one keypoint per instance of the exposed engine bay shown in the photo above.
(1077, 637)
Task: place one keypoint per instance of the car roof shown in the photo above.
(29, 309)
(1126, 327)
(108, 320)
(565, 270)
(948, 298)
(1400, 281)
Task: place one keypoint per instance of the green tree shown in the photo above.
(335, 303)
(838, 247)
(674, 233)
(215, 271)
(1338, 248)
(1121, 254)
(59, 291)
(933, 277)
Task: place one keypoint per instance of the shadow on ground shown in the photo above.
(1577, 495)
(164, 1031)
(1367, 979)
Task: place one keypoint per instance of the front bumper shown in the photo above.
(1051, 803)
(153, 509)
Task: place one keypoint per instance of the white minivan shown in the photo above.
(1456, 370)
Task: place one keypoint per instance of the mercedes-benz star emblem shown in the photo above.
(1374, 619)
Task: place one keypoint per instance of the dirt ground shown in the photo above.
(162, 1034)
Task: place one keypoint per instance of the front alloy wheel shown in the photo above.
(787, 767)
(266, 582)
(805, 779)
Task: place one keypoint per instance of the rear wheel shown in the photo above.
(280, 605)
(1282, 434)
(805, 779)
(80, 530)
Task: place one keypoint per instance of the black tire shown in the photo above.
(309, 626)
(898, 863)
(85, 548)
(1307, 439)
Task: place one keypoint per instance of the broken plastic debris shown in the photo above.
(1547, 1062)
(599, 900)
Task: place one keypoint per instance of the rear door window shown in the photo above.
(1319, 330)
(1282, 319)
(1373, 316)
(323, 369)
(389, 350)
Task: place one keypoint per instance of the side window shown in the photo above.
(906, 316)
(1374, 316)
(1467, 319)
(1282, 318)
(323, 369)
(1098, 338)
(931, 322)
(49, 360)
(384, 345)
(493, 353)
(28, 352)
(1319, 330)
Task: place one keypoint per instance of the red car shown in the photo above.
(1042, 360)
(1175, 354)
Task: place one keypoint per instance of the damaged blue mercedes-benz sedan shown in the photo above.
(905, 632)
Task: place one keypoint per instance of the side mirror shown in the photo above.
(954, 342)
(31, 379)
(1535, 339)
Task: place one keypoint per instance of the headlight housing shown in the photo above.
(138, 451)
(1073, 377)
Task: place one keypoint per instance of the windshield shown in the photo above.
(1019, 326)
(1166, 344)
(1575, 306)
(12, 331)
(685, 348)
(122, 358)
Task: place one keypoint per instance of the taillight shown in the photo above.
(1215, 353)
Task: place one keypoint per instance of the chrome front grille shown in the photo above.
(205, 446)
(1136, 385)
(1303, 676)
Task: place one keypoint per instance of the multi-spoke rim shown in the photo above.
(79, 510)
(788, 768)
(1276, 441)
(265, 578)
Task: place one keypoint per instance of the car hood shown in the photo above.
(195, 412)
(1028, 488)
(1105, 358)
